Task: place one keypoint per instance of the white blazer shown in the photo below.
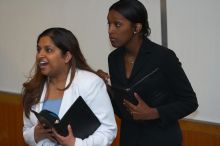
(93, 91)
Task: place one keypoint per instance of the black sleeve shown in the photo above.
(184, 98)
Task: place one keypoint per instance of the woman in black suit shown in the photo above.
(159, 84)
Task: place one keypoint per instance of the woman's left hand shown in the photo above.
(69, 140)
(141, 111)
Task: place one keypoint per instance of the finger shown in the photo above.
(137, 96)
(54, 131)
(44, 125)
(129, 105)
(48, 135)
(39, 126)
(56, 134)
(49, 130)
(70, 131)
(140, 100)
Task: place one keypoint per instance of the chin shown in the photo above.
(115, 45)
(44, 73)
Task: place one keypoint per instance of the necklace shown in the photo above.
(130, 59)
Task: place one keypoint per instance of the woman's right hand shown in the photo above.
(41, 133)
(105, 76)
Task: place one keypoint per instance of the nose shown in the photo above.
(111, 29)
(40, 53)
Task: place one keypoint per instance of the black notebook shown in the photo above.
(81, 118)
(152, 87)
(117, 96)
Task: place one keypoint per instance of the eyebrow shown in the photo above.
(51, 46)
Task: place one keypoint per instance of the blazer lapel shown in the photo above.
(120, 67)
(38, 107)
(69, 96)
(142, 59)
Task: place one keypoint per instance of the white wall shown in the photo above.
(193, 33)
(22, 21)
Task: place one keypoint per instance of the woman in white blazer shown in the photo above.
(61, 76)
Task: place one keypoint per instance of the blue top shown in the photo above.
(53, 105)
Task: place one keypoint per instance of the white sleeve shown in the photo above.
(28, 131)
(95, 94)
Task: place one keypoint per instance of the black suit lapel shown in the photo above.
(119, 62)
(142, 59)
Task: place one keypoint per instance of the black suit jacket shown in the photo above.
(168, 90)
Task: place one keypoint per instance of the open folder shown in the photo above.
(81, 118)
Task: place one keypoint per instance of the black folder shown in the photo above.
(81, 118)
(152, 87)
(117, 95)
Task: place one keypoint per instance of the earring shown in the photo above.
(135, 32)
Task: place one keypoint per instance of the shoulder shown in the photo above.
(115, 53)
(158, 50)
(156, 47)
(88, 84)
(83, 77)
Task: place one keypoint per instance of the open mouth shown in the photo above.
(43, 63)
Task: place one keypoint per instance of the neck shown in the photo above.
(58, 81)
(132, 48)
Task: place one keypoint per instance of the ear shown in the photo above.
(68, 56)
(138, 27)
